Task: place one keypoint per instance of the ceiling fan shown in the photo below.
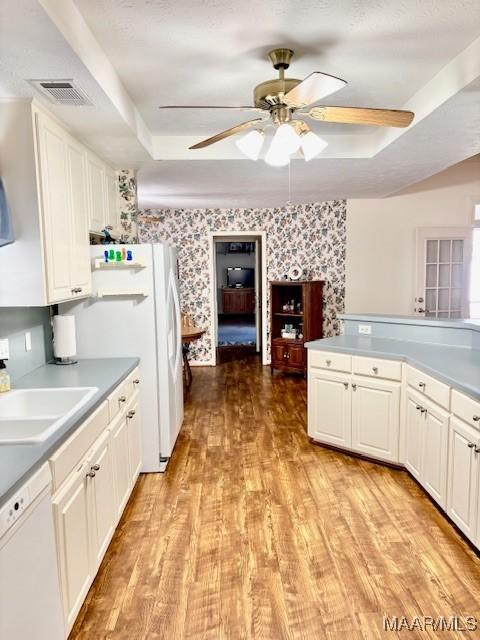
(281, 102)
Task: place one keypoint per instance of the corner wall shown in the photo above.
(381, 248)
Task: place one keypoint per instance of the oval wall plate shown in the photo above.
(295, 273)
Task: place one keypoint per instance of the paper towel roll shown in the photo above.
(64, 343)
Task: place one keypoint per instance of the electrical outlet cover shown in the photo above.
(4, 349)
(365, 329)
(28, 341)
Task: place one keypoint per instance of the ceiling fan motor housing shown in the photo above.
(270, 93)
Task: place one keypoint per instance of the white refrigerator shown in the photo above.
(135, 311)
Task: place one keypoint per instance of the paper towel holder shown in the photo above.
(69, 360)
(70, 356)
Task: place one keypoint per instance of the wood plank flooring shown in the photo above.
(254, 532)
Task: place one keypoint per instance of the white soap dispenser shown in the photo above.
(4, 377)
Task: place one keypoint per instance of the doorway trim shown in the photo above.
(212, 272)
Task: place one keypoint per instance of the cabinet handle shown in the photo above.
(477, 449)
(418, 407)
(328, 362)
(122, 399)
(79, 290)
(91, 474)
(375, 370)
(136, 381)
(74, 290)
(476, 418)
(345, 384)
(423, 410)
(422, 385)
(95, 467)
(470, 445)
(131, 413)
(354, 387)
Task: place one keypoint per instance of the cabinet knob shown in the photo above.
(470, 445)
(91, 474)
(422, 385)
(345, 384)
(423, 410)
(95, 467)
(122, 399)
(354, 387)
(477, 449)
(131, 413)
(418, 407)
(136, 381)
(328, 362)
(79, 290)
(476, 418)
(375, 370)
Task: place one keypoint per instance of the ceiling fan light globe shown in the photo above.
(286, 140)
(251, 144)
(312, 145)
(275, 158)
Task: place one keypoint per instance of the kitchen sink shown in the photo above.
(29, 416)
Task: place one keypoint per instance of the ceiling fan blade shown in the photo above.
(315, 87)
(360, 115)
(227, 133)
(190, 106)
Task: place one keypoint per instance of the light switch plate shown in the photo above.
(28, 341)
(365, 329)
(4, 349)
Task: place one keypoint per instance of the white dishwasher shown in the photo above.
(30, 601)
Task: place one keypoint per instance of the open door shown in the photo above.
(258, 295)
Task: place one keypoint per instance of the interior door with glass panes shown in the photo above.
(443, 262)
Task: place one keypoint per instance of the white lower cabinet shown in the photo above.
(134, 441)
(73, 525)
(100, 480)
(414, 435)
(329, 408)
(462, 503)
(435, 452)
(376, 418)
(89, 502)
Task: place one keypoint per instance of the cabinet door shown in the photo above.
(72, 522)
(134, 441)
(100, 483)
(463, 476)
(80, 271)
(121, 469)
(435, 452)
(55, 207)
(376, 418)
(296, 356)
(329, 408)
(414, 435)
(96, 191)
(278, 354)
(112, 212)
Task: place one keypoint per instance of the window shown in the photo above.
(475, 266)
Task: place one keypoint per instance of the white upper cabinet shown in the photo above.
(56, 190)
(97, 193)
(112, 221)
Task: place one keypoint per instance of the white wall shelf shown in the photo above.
(106, 293)
(99, 263)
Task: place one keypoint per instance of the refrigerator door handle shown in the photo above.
(176, 304)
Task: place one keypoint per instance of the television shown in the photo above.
(240, 277)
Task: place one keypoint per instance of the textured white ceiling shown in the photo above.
(214, 52)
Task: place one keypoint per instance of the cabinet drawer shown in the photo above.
(466, 408)
(377, 367)
(330, 361)
(425, 384)
(71, 452)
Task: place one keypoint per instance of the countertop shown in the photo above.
(458, 367)
(464, 323)
(17, 462)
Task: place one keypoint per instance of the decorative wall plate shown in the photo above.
(295, 273)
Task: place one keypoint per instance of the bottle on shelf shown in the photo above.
(4, 377)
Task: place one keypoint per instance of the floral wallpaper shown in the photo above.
(312, 236)
(127, 198)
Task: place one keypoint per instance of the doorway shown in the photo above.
(238, 274)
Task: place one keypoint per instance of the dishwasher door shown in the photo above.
(30, 602)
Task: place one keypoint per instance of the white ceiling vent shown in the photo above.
(62, 92)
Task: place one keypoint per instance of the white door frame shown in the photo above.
(248, 236)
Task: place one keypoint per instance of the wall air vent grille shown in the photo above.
(62, 92)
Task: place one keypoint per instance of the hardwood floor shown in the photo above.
(254, 532)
